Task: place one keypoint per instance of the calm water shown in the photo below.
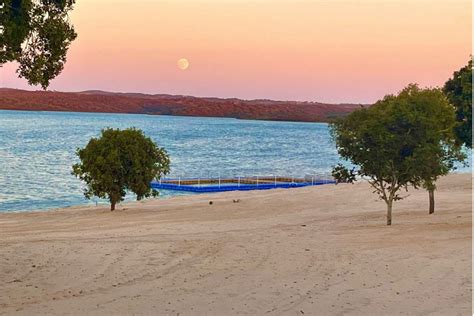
(37, 150)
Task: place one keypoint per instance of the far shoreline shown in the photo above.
(168, 115)
(174, 105)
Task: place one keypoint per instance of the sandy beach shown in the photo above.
(311, 251)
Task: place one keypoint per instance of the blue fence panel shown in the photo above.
(233, 187)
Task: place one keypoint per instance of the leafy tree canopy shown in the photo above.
(459, 92)
(399, 141)
(37, 34)
(120, 161)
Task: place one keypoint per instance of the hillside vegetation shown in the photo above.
(161, 104)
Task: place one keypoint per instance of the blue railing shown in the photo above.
(203, 188)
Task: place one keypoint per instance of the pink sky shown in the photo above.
(327, 50)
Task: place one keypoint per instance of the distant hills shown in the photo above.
(163, 104)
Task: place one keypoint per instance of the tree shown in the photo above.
(364, 138)
(434, 122)
(37, 34)
(458, 89)
(396, 143)
(120, 161)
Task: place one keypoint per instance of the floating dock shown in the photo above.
(199, 185)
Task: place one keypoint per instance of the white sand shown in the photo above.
(318, 251)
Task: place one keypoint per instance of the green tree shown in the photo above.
(434, 121)
(366, 139)
(458, 89)
(37, 34)
(401, 140)
(120, 161)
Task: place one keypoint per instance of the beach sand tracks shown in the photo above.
(284, 252)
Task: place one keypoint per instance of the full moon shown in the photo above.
(183, 64)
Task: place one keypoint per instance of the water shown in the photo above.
(37, 150)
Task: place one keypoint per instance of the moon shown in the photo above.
(183, 64)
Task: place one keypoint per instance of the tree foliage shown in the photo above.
(120, 161)
(401, 140)
(435, 123)
(459, 92)
(37, 34)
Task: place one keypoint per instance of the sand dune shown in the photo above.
(312, 251)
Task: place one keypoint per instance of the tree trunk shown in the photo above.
(112, 206)
(389, 212)
(432, 201)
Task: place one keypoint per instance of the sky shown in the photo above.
(324, 50)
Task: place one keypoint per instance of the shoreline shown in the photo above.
(322, 249)
(187, 194)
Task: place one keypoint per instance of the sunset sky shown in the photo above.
(322, 50)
